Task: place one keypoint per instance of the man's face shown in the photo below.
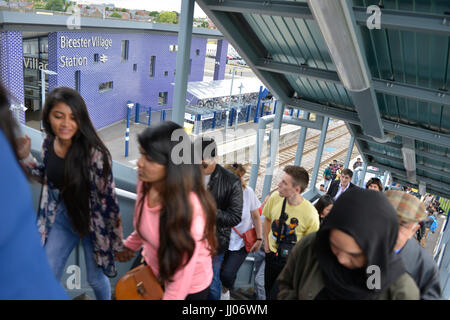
(208, 166)
(405, 232)
(347, 251)
(286, 186)
(345, 180)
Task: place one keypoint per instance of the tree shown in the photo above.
(116, 15)
(167, 17)
(153, 14)
(55, 5)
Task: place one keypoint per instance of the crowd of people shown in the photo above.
(191, 219)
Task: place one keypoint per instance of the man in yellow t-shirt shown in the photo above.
(301, 218)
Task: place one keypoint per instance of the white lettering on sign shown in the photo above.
(34, 63)
(74, 61)
(98, 41)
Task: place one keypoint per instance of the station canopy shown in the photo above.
(221, 88)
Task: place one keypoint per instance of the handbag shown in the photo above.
(249, 237)
(139, 283)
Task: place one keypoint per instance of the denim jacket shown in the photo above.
(105, 226)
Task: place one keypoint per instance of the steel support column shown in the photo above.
(363, 175)
(323, 135)
(301, 143)
(183, 57)
(275, 137)
(349, 152)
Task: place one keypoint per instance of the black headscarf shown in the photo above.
(370, 219)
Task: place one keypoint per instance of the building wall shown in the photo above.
(109, 107)
(11, 68)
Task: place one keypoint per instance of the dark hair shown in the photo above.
(7, 123)
(209, 147)
(176, 245)
(78, 161)
(347, 172)
(323, 202)
(375, 181)
(299, 175)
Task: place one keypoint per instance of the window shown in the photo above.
(96, 58)
(78, 80)
(162, 99)
(166, 73)
(152, 66)
(173, 48)
(197, 52)
(135, 67)
(124, 50)
(105, 86)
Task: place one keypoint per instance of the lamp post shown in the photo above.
(130, 106)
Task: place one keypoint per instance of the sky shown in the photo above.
(150, 5)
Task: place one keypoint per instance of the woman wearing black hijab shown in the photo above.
(351, 256)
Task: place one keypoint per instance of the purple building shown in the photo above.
(108, 67)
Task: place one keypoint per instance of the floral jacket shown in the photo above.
(105, 224)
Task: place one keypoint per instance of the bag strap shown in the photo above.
(282, 220)
(240, 235)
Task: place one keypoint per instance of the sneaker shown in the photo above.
(225, 296)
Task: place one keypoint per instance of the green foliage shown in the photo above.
(55, 5)
(153, 13)
(167, 17)
(116, 15)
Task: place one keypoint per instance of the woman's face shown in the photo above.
(62, 121)
(374, 186)
(150, 171)
(346, 250)
(326, 210)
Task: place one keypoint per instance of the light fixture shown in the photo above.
(335, 23)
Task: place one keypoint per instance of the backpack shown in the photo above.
(433, 225)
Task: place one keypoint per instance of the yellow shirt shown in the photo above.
(302, 219)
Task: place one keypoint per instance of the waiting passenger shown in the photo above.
(78, 198)
(24, 270)
(323, 206)
(173, 218)
(226, 190)
(236, 253)
(338, 187)
(374, 184)
(289, 217)
(418, 262)
(351, 256)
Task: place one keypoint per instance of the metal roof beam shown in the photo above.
(271, 8)
(400, 129)
(433, 156)
(430, 189)
(383, 86)
(390, 19)
(407, 21)
(302, 70)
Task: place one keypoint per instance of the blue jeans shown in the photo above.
(60, 243)
(215, 289)
(232, 261)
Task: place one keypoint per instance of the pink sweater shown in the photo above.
(197, 275)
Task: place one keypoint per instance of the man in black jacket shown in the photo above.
(338, 187)
(226, 189)
(417, 261)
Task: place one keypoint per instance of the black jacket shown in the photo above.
(226, 189)
(334, 187)
(422, 268)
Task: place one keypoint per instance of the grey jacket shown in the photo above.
(422, 268)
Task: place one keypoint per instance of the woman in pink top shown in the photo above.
(174, 216)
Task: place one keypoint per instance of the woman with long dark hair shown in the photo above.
(78, 198)
(324, 206)
(174, 216)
